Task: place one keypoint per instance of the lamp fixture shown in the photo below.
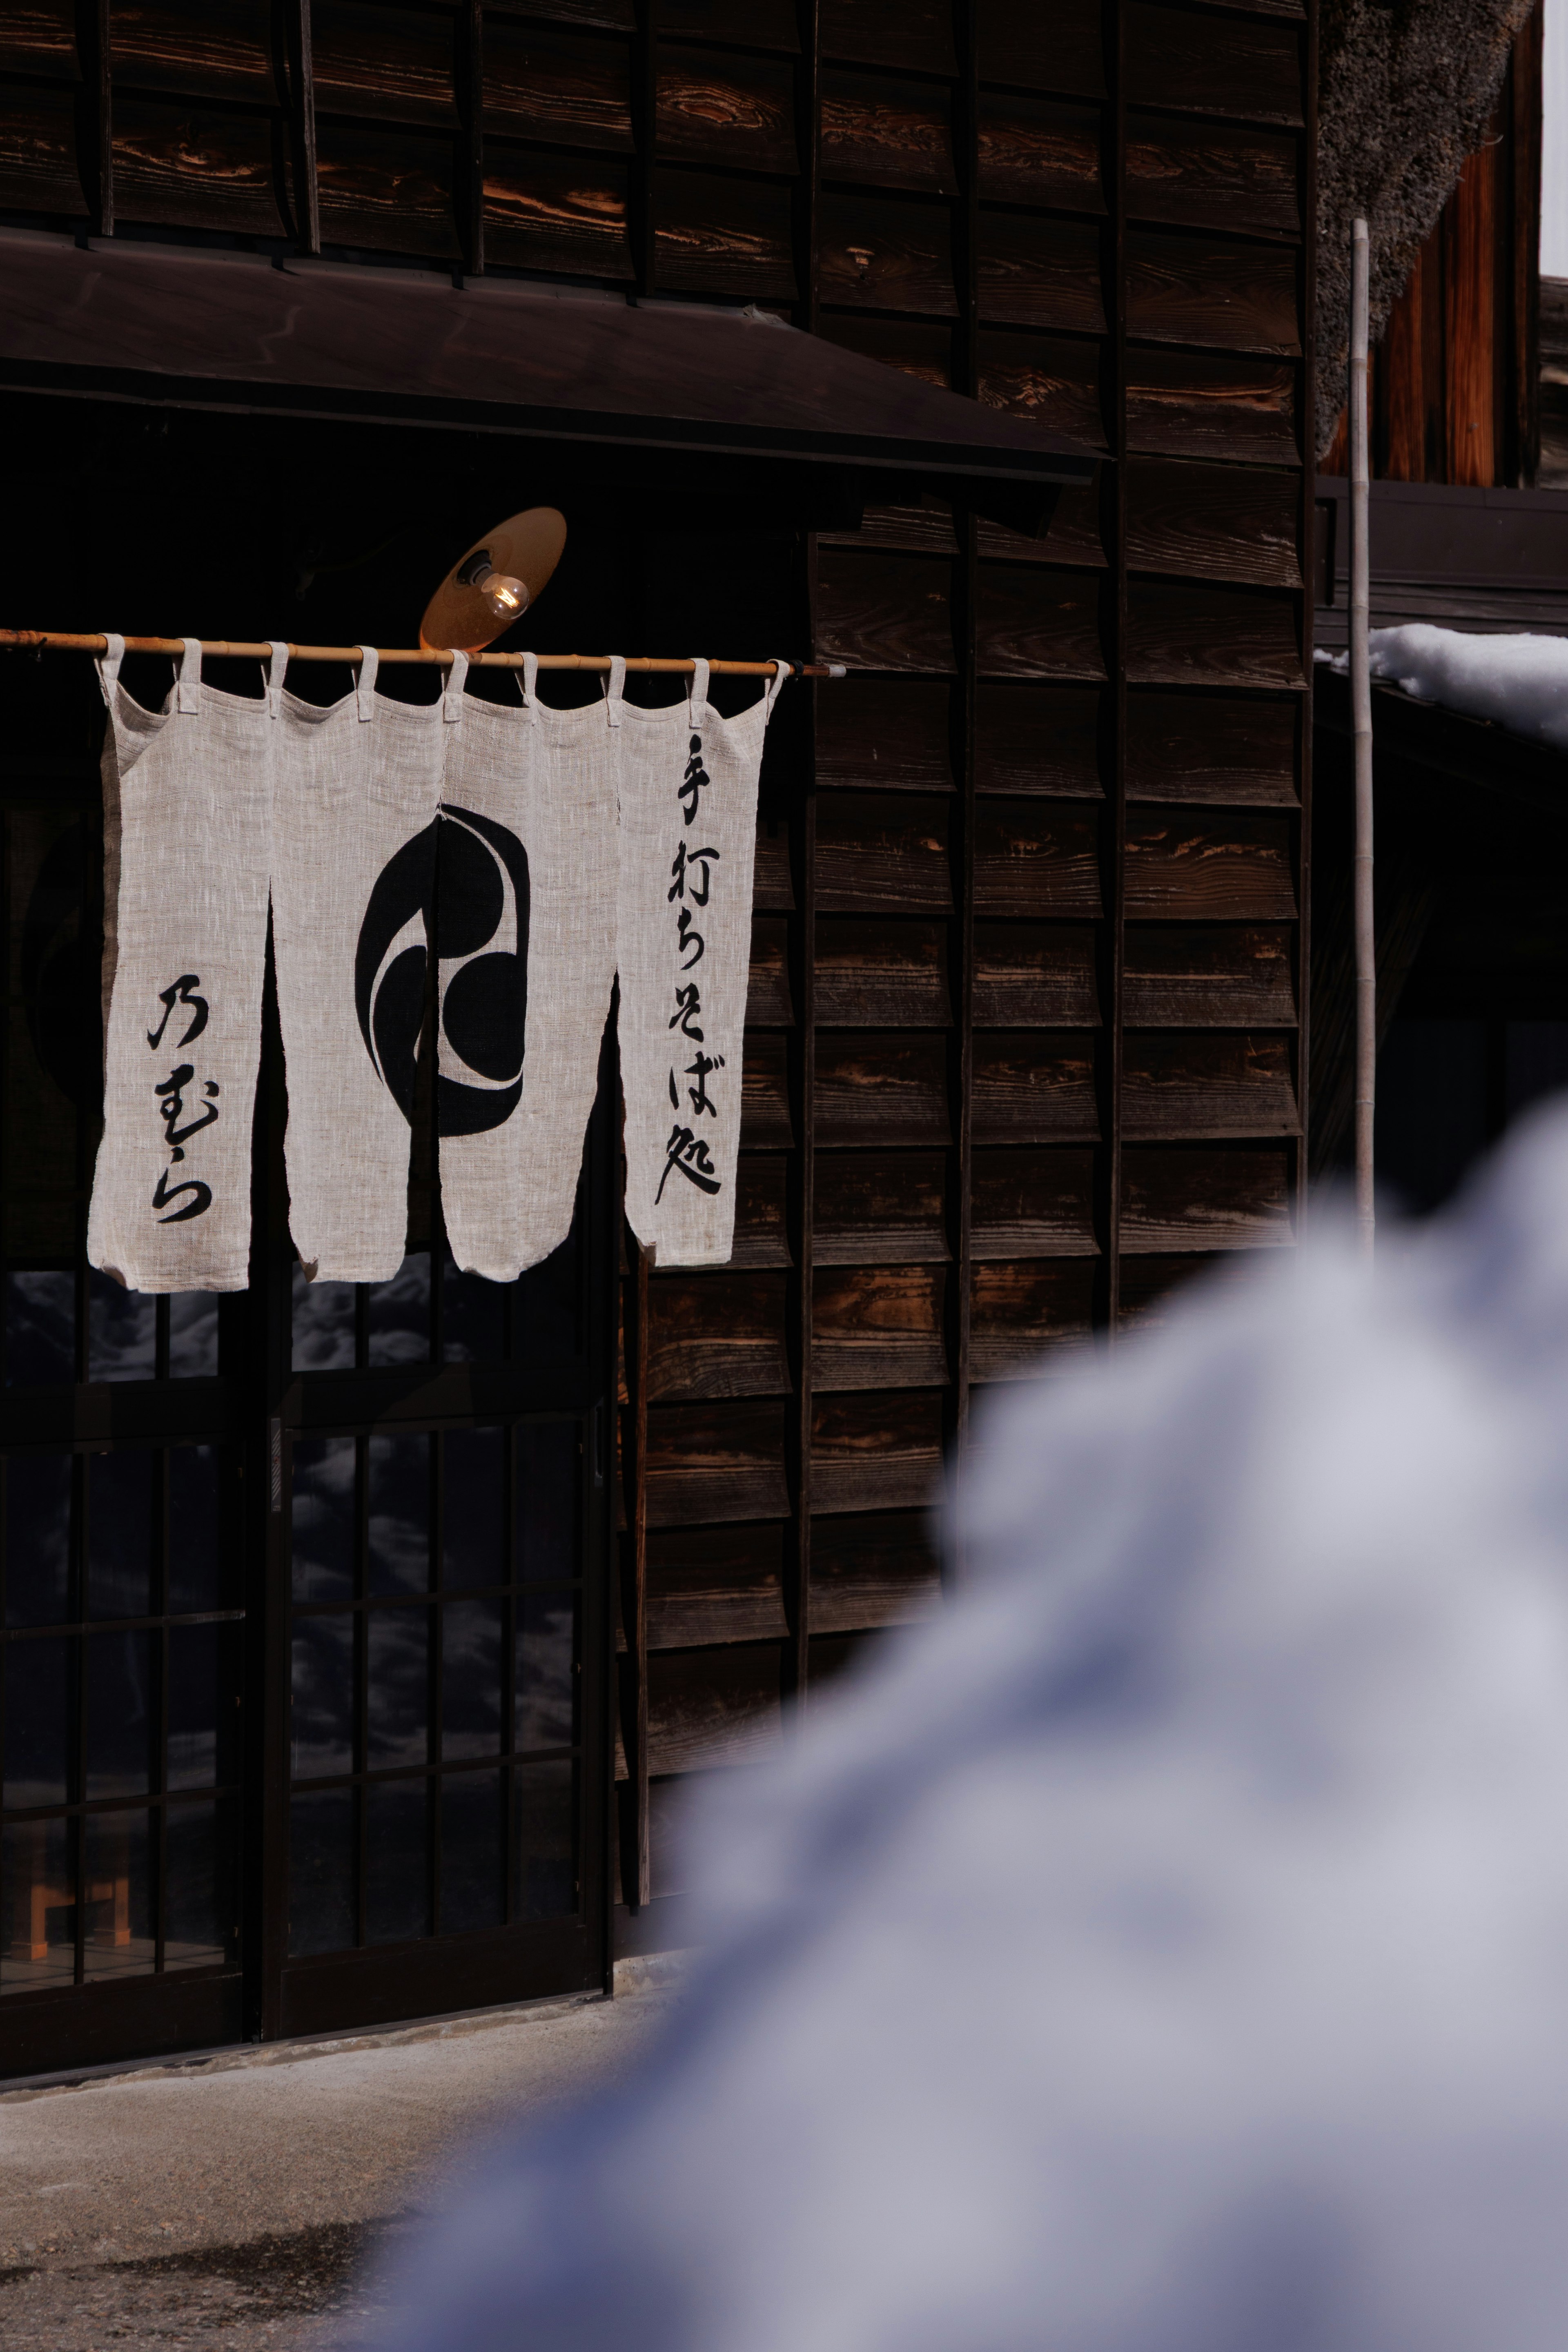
(494, 583)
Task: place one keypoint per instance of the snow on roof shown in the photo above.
(1166, 1948)
(1521, 682)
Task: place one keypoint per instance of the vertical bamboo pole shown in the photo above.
(1360, 712)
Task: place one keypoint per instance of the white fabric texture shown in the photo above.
(525, 928)
(357, 787)
(188, 820)
(688, 835)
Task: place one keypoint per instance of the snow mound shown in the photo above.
(1167, 1950)
(1521, 682)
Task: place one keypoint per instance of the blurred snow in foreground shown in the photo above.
(1166, 1950)
(1521, 681)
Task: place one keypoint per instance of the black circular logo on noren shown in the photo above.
(463, 880)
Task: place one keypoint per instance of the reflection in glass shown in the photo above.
(473, 1515)
(121, 1330)
(38, 1538)
(471, 1871)
(40, 1718)
(398, 1314)
(323, 1325)
(396, 1867)
(40, 1330)
(473, 1317)
(544, 1840)
(470, 1678)
(397, 1688)
(547, 1481)
(323, 1690)
(195, 1685)
(121, 1714)
(546, 1676)
(117, 1895)
(196, 1571)
(399, 1514)
(201, 1924)
(37, 1888)
(192, 1336)
(120, 1534)
(323, 1518)
(545, 1317)
(321, 1872)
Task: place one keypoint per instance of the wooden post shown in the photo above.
(1361, 711)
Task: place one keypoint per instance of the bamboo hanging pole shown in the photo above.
(1360, 720)
(220, 649)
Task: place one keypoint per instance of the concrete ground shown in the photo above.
(232, 2204)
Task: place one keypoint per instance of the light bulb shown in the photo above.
(505, 596)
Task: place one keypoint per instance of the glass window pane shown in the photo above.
(121, 1330)
(399, 1514)
(201, 1905)
(545, 1319)
(204, 1711)
(121, 1714)
(470, 1678)
(37, 1538)
(398, 1314)
(40, 1330)
(321, 1872)
(323, 1523)
(323, 1689)
(397, 1860)
(192, 1336)
(544, 1840)
(199, 1576)
(40, 1721)
(120, 1534)
(473, 1514)
(39, 1891)
(397, 1692)
(470, 1851)
(546, 1670)
(547, 1498)
(117, 1895)
(473, 1317)
(323, 1325)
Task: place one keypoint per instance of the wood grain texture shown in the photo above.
(1026, 1313)
(1074, 535)
(1212, 1083)
(37, 153)
(917, 36)
(38, 37)
(772, 892)
(875, 854)
(878, 1327)
(1054, 383)
(1221, 975)
(876, 1208)
(876, 1452)
(762, 1234)
(885, 735)
(392, 63)
(1039, 273)
(1032, 152)
(1060, 47)
(737, 24)
(883, 255)
(1205, 747)
(547, 85)
(707, 1708)
(881, 1088)
(613, 15)
(1237, 866)
(1034, 1204)
(562, 216)
(714, 1462)
(1198, 1199)
(192, 168)
(1214, 523)
(717, 1335)
(768, 1003)
(889, 975)
(894, 134)
(1184, 404)
(722, 236)
(765, 1122)
(719, 109)
(1213, 178)
(1040, 739)
(715, 1584)
(880, 1569)
(1180, 636)
(1035, 858)
(1150, 1285)
(1031, 622)
(923, 529)
(1179, 59)
(1035, 1086)
(919, 347)
(884, 612)
(222, 50)
(1242, 298)
(1035, 976)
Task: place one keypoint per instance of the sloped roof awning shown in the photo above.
(190, 327)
